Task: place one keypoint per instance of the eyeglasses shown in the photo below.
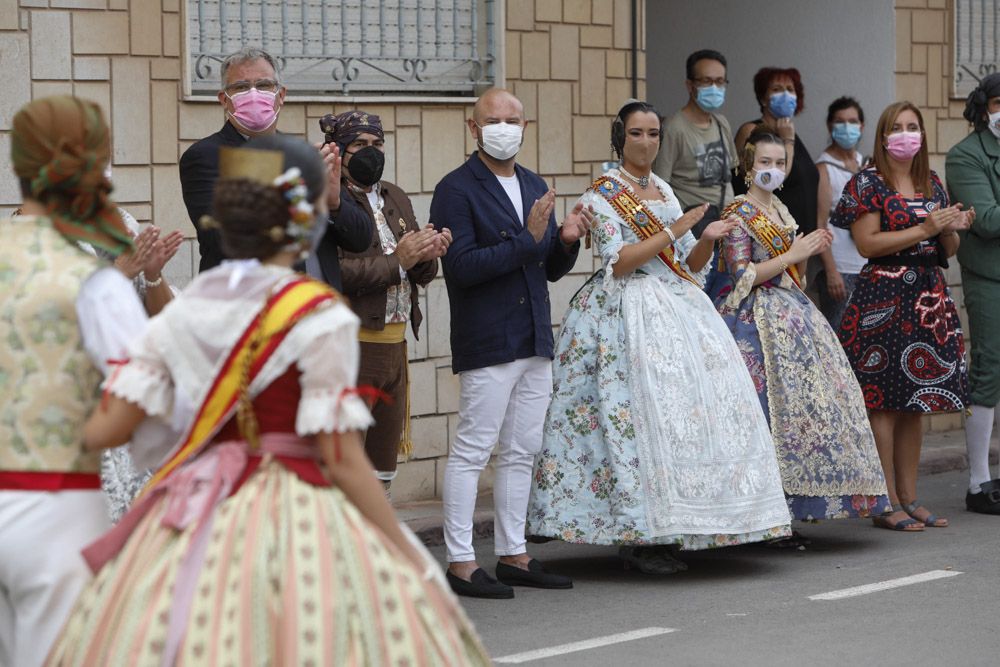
(705, 81)
(263, 85)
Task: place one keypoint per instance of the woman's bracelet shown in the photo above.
(153, 283)
(670, 233)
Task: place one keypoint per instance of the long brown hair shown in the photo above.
(920, 168)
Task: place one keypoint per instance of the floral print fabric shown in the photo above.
(825, 448)
(653, 435)
(900, 328)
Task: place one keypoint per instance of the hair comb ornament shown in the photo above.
(261, 166)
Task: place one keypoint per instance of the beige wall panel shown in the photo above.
(100, 33)
(197, 121)
(9, 15)
(443, 144)
(164, 130)
(16, 56)
(554, 133)
(146, 27)
(99, 92)
(408, 159)
(130, 111)
(169, 212)
(50, 45)
(565, 57)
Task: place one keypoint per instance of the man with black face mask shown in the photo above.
(381, 281)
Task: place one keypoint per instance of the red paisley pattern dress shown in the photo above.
(900, 328)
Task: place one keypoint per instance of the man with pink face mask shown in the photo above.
(252, 96)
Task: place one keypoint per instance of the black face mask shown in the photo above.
(366, 165)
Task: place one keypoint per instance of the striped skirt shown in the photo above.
(292, 575)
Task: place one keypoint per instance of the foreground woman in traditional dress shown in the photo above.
(654, 435)
(265, 537)
(826, 452)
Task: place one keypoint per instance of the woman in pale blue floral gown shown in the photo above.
(825, 448)
(654, 436)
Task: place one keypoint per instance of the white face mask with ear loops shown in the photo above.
(995, 124)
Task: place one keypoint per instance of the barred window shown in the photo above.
(977, 51)
(350, 47)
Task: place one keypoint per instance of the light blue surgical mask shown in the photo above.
(846, 135)
(782, 105)
(710, 98)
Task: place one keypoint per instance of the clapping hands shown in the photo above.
(720, 228)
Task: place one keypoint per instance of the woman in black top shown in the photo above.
(780, 95)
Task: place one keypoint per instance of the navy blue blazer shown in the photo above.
(494, 270)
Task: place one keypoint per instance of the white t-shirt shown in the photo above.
(513, 190)
(845, 253)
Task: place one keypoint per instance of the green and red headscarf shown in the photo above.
(60, 146)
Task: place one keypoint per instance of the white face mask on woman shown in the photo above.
(501, 141)
(995, 124)
(769, 180)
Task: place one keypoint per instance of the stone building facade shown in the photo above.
(569, 61)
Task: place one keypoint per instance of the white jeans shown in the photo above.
(41, 569)
(505, 403)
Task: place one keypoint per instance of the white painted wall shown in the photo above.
(841, 47)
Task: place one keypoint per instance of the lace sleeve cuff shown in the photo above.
(323, 411)
(741, 290)
(144, 385)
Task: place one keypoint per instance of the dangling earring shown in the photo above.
(747, 180)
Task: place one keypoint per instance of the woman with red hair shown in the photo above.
(781, 97)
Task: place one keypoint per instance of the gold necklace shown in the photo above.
(767, 207)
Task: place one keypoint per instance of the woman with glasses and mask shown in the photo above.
(654, 438)
(842, 263)
(900, 329)
(382, 280)
(825, 449)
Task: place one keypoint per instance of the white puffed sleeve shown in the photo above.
(685, 244)
(145, 379)
(329, 365)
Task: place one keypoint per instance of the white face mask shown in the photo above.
(501, 141)
(995, 124)
(769, 180)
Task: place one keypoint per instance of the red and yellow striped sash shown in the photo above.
(775, 239)
(286, 307)
(641, 220)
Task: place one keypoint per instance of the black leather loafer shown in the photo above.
(986, 501)
(535, 576)
(481, 586)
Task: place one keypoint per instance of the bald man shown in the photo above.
(506, 246)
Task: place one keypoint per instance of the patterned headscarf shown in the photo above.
(344, 128)
(60, 146)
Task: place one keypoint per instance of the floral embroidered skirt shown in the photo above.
(829, 465)
(292, 575)
(654, 434)
(903, 337)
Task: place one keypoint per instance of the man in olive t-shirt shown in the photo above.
(698, 153)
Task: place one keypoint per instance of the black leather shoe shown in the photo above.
(481, 586)
(986, 501)
(535, 576)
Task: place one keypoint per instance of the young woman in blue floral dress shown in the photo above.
(825, 449)
(654, 437)
(900, 329)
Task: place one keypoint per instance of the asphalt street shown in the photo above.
(930, 598)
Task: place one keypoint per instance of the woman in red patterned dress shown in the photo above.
(900, 329)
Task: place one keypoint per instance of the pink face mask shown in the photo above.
(904, 145)
(254, 110)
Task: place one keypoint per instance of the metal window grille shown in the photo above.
(977, 50)
(350, 47)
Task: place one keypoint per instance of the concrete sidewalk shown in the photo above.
(942, 452)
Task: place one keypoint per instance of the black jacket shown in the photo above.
(350, 228)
